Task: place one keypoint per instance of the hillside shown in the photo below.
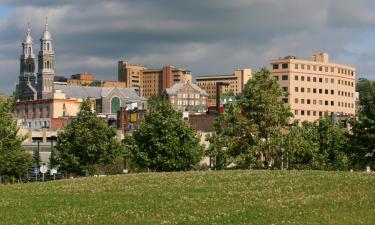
(228, 197)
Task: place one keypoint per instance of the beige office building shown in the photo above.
(151, 81)
(316, 87)
(237, 82)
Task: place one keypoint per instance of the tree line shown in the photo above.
(256, 131)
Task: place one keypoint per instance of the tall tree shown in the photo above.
(362, 148)
(164, 141)
(14, 159)
(86, 143)
(249, 127)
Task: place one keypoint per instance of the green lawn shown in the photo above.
(227, 197)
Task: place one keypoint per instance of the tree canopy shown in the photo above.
(164, 141)
(86, 143)
(14, 159)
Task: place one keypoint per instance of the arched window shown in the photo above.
(44, 46)
(115, 105)
(47, 64)
(48, 46)
(29, 67)
(29, 50)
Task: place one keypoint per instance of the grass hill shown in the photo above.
(225, 197)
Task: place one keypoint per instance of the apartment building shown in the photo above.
(236, 81)
(151, 81)
(316, 87)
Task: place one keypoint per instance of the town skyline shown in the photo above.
(206, 39)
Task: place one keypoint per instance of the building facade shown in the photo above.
(316, 87)
(151, 82)
(187, 97)
(236, 81)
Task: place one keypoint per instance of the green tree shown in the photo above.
(362, 138)
(164, 142)
(14, 159)
(248, 127)
(86, 143)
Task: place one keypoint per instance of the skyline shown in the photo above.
(214, 37)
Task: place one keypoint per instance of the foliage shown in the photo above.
(248, 127)
(164, 142)
(216, 197)
(362, 148)
(14, 159)
(86, 143)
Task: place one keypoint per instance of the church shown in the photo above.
(44, 104)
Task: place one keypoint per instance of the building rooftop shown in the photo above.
(176, 87)
(95, 92)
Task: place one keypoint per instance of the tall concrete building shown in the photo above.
(316, 87)
(151, 82)
(237, 82)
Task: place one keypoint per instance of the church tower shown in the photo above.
(46, 61)
(26, 86)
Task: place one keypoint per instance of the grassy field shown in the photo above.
(228, 197)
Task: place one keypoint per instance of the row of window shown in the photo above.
(188, 102)
(331, 103)
(320, 91)
(188, 95)
(315, 68)
(316, 79)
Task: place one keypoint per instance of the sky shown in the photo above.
(204, 36)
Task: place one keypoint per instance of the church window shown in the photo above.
(48, 46)
(29, 67)
(29, 50)
(115, 105)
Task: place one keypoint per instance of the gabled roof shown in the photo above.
(176, 87)
(95, 92)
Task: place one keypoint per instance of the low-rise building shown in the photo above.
(187, 97)
(236, 82)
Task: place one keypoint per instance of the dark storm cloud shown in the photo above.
(210, 36)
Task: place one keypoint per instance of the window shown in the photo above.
(332, 92)
(314, 68)
(296, 66)
(303, 66)
(296, 89)
(276, 77)
(296, 100)
(302, 89)
(320, 91)
(285, 100)
(332, 103)
(314, 79)
(320, 80)
(320, 114)
(308, 113)
(308, 90)
(320, 102)
(325, 102)
(314, 102)
(332, 81)
(302, 112)
(295, 112)
(296, 77)
(314, 113)
(326, 91)
(326, 80)
(302, 78)
(326, 69)
(284, 77)
(115, 105)
(284, 66)
(308, 79)
(285, 89)
(275, 66)
(308, 101)
(302, 101)
(308, 67)
(320, 68)
(332, 69)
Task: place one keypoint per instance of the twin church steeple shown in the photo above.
(28, 89)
